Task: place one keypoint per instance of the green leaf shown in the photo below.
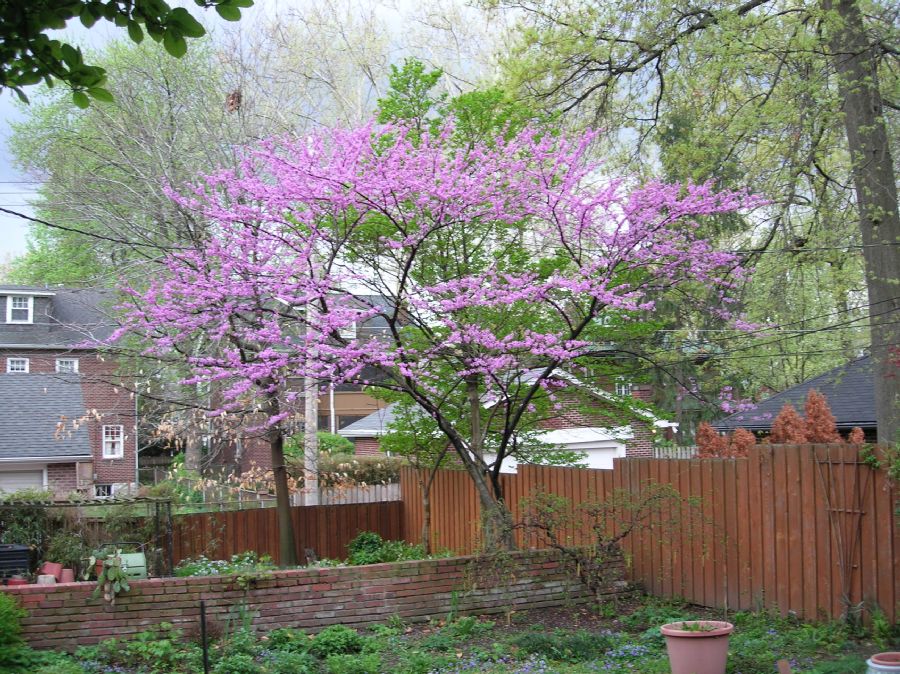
(87, 17)
(188, 25)
(241, 3)
(229, 13)
(21, 94)
(135, 32)
(100, 94)
(174, 43)
(80, 99)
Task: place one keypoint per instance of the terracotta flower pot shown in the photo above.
(67, 576)
(51, 569)
(17, 580)
(697, 646)
(884, 663)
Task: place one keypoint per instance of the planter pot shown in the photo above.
(882, 663)
(67, 576)
(51, 569)
(697, 646)
(17, 580)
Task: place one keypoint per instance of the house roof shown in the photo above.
(849, 389)
(373, 426)
(38, 414)
(69, 318)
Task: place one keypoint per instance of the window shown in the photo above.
(113, 442)
(17, 365)
(67, 365)
(103, 491)
(19, 309)
(348, 331)
(623, 387)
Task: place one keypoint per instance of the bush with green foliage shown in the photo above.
(562, 645)
(28, 522)
(337, 640)
(290, 640)
(369, 663)
(329, 444)
(370, 548)
(237, 663)
(337, 470)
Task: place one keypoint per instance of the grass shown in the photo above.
(565, 641)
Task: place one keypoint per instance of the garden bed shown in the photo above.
(567, 640)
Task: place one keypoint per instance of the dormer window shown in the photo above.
(20, 309)
(67, 365)
(17, 365)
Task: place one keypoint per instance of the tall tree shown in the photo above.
(495, 265)
(761, 92)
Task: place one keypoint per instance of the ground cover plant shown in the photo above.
(570, 640)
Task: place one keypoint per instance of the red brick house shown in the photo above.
(585, 423)
(64, 424)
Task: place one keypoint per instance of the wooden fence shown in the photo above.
(808, 529)
(324, 529)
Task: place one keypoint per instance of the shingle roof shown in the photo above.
(37, 416)
(71, 317)
(372, 426)
(849, 389)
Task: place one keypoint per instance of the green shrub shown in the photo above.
(329, 444)
(241, 642)
(336, 640)
(354, 664)
(563, 646)
(159, 650)
(27, 524)
(370, 548)
(287, 662)
(349, 469)
(289, 639)
(237, 663)
(13, 651)
(61, 666)
(67, 548)
(468, 627)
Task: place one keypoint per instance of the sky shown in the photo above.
(17, 189)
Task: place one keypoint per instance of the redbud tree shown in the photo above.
(487, 269)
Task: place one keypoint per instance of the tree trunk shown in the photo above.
(876, 194)
(426, 515)
(287, 550)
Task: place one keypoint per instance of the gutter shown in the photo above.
(46, 459)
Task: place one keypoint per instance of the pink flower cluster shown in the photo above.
(356, 249)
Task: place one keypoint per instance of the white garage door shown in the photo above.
(14, 480)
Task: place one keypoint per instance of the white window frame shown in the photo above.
(9, 362)
(623, 387)
(105, 487)
(74, 362)
(10, 299)
(109, 444)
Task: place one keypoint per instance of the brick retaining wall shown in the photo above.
(65, 616)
